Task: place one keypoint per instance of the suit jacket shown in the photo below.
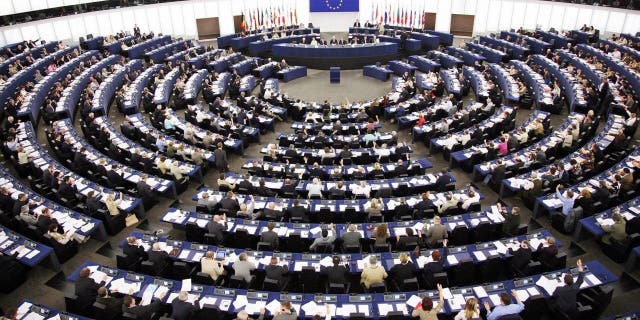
(401, 272)
(299, 212)
(520, 258)
(144, 312)
(546, 255)
(271, 237)
(112, 305)
(159, 259)
(93, 203)
(351, 238)
(67, 191)
(87, 291)
(442, 182)
(336, 274)
(221, 159)
(275, 272)
(134, 253)
(217, 229)
(245, 184)
(182, 310)
(435, 233)
(230, 204)
(564, 298)
(144, 190)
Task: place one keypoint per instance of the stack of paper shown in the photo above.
(480, 292)
(547, 284)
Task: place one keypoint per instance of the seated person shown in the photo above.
(327, 237)
(402, 271)
(373, 273)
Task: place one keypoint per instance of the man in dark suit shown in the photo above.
(93, 202)
(246, 184)
(80, 161)
(230, 203)
(521, 257)
(133, 251)
(112, 305)
(298, 212)
(217, 227)
(443, 180)
(115, 177)
(159, 257)
(68, 190)
(425, 203)
(564, 298)
(276, 272)
(270, 236)
(289, 187)
(402, 271)
(87, 289)
(139, 311)
(498, 173)
(181, 308)
(401, 168)
(404, 241)
(221, 158)
(145, 192)
(336, 273)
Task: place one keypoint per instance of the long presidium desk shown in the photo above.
(344, 56)
(341, 305)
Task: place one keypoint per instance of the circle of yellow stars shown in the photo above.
(331, 7)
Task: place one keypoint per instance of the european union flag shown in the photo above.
(334, 5)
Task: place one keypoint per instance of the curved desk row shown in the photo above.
(325, 56)
(344, 305)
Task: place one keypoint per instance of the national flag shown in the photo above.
(243, 25)
(283, 16)
(377, 14)
(296, 15)
(398, 15)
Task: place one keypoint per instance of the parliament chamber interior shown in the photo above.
(319, 159)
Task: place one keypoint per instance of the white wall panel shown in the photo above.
(190, 27)
(61, 27)
(443, 18)
(226, 17)
(506, 12)
(128, 20)
(77, 27)
(470, 6)
(457, 7)
(13, 35)
(557, 14)
(211, 9)
(20, 6)
(91, 24)
(493, 16)
(117, 25)
(165, 16)
(616, 22)
(141, 19)
(153, 21)
(599, 19)
(55, 3)
(531, 16)
(177, 20)
(517, 18)
(430, 5)
(3, 42)
(584, 16)
(38, 4)
(104, 24)
(6, 7)
(570, 20)
(544, 15)
(631, 24)
(29, 32)
(46, 32)
(480, 20)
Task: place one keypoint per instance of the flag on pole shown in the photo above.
(243, 25)
(296, 14)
